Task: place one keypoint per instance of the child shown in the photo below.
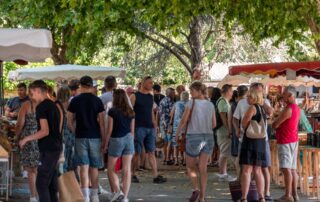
(120, 134)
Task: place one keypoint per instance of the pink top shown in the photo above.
(288, 130)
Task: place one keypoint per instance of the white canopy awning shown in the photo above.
(234, 80)
(65, 72)
(32, 45)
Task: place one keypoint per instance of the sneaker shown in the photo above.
(195, 196)
(117, 196)
(296, 198)
(125, 200)
(226, 178)
(135, 179)
(159, 180)
(24, 174)
(94, 198)
(284, 199)
(268, 198)
(33, 199)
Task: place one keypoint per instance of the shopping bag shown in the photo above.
(236, 195)
(69, 188)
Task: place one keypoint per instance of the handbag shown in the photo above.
(236, 194)
(69, 188)
(257, 130)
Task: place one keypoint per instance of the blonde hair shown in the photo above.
(257, 96)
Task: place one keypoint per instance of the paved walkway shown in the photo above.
(177, 189)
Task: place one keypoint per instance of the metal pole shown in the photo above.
(1, 89)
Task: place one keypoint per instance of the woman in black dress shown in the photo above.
(253, 152)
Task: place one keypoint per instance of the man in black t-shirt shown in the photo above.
(157, 96)
(88, 112)
(49, 140)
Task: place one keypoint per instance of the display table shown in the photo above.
(308, 171)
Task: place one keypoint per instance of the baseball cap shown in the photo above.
(86, 81)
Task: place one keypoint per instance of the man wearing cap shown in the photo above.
(88, 111)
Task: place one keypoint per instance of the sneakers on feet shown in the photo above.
(125, 200)
(94, 198)
(195, 196)
(296, 198)
(226, 178)
(284, 199)
(268, 198)
(135, 179)
(159, 180)
(33, 199)
(117, 196)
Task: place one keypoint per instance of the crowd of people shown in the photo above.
(201, 127)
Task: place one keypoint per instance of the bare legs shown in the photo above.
(291, 181)
(223, 164)
(32, 176)
(192, 172)
(246, 179)
(126, 174)
(266, 174)
(152, 161)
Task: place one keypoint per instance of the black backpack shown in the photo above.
(218, 117)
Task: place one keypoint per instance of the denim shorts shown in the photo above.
(88, 152)
(145, 138)
(199, 143)
(121, 146)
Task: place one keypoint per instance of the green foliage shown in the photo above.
(286, 20)
(78, 27)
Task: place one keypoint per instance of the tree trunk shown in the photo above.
(314, 27)
(196, 46)
(59, 54)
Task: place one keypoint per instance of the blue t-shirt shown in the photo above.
(86, 108)
(15, 103)
(121, 123)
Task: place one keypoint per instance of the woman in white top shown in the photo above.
(197, 123)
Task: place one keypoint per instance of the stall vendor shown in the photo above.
(13, 105)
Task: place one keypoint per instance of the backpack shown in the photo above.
(218, 117)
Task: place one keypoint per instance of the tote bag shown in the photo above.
(69, 188)
(257, 130)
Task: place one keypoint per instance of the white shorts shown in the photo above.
(288, 154)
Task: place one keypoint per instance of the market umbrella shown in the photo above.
(234, 80)
(65, 72)
(279, 69)
(299, 81)
(21, 46)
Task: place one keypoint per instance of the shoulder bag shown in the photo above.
(257, 130)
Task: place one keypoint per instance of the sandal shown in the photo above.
(243, 200)
(268, 198)
(262, 200)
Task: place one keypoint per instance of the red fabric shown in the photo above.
(119, 164)
(288, 130)
(278, 69)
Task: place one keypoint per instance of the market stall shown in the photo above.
(294, 73)
(21, 46)
(65, 72)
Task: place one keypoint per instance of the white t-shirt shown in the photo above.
(201, 119)
(106, 98)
